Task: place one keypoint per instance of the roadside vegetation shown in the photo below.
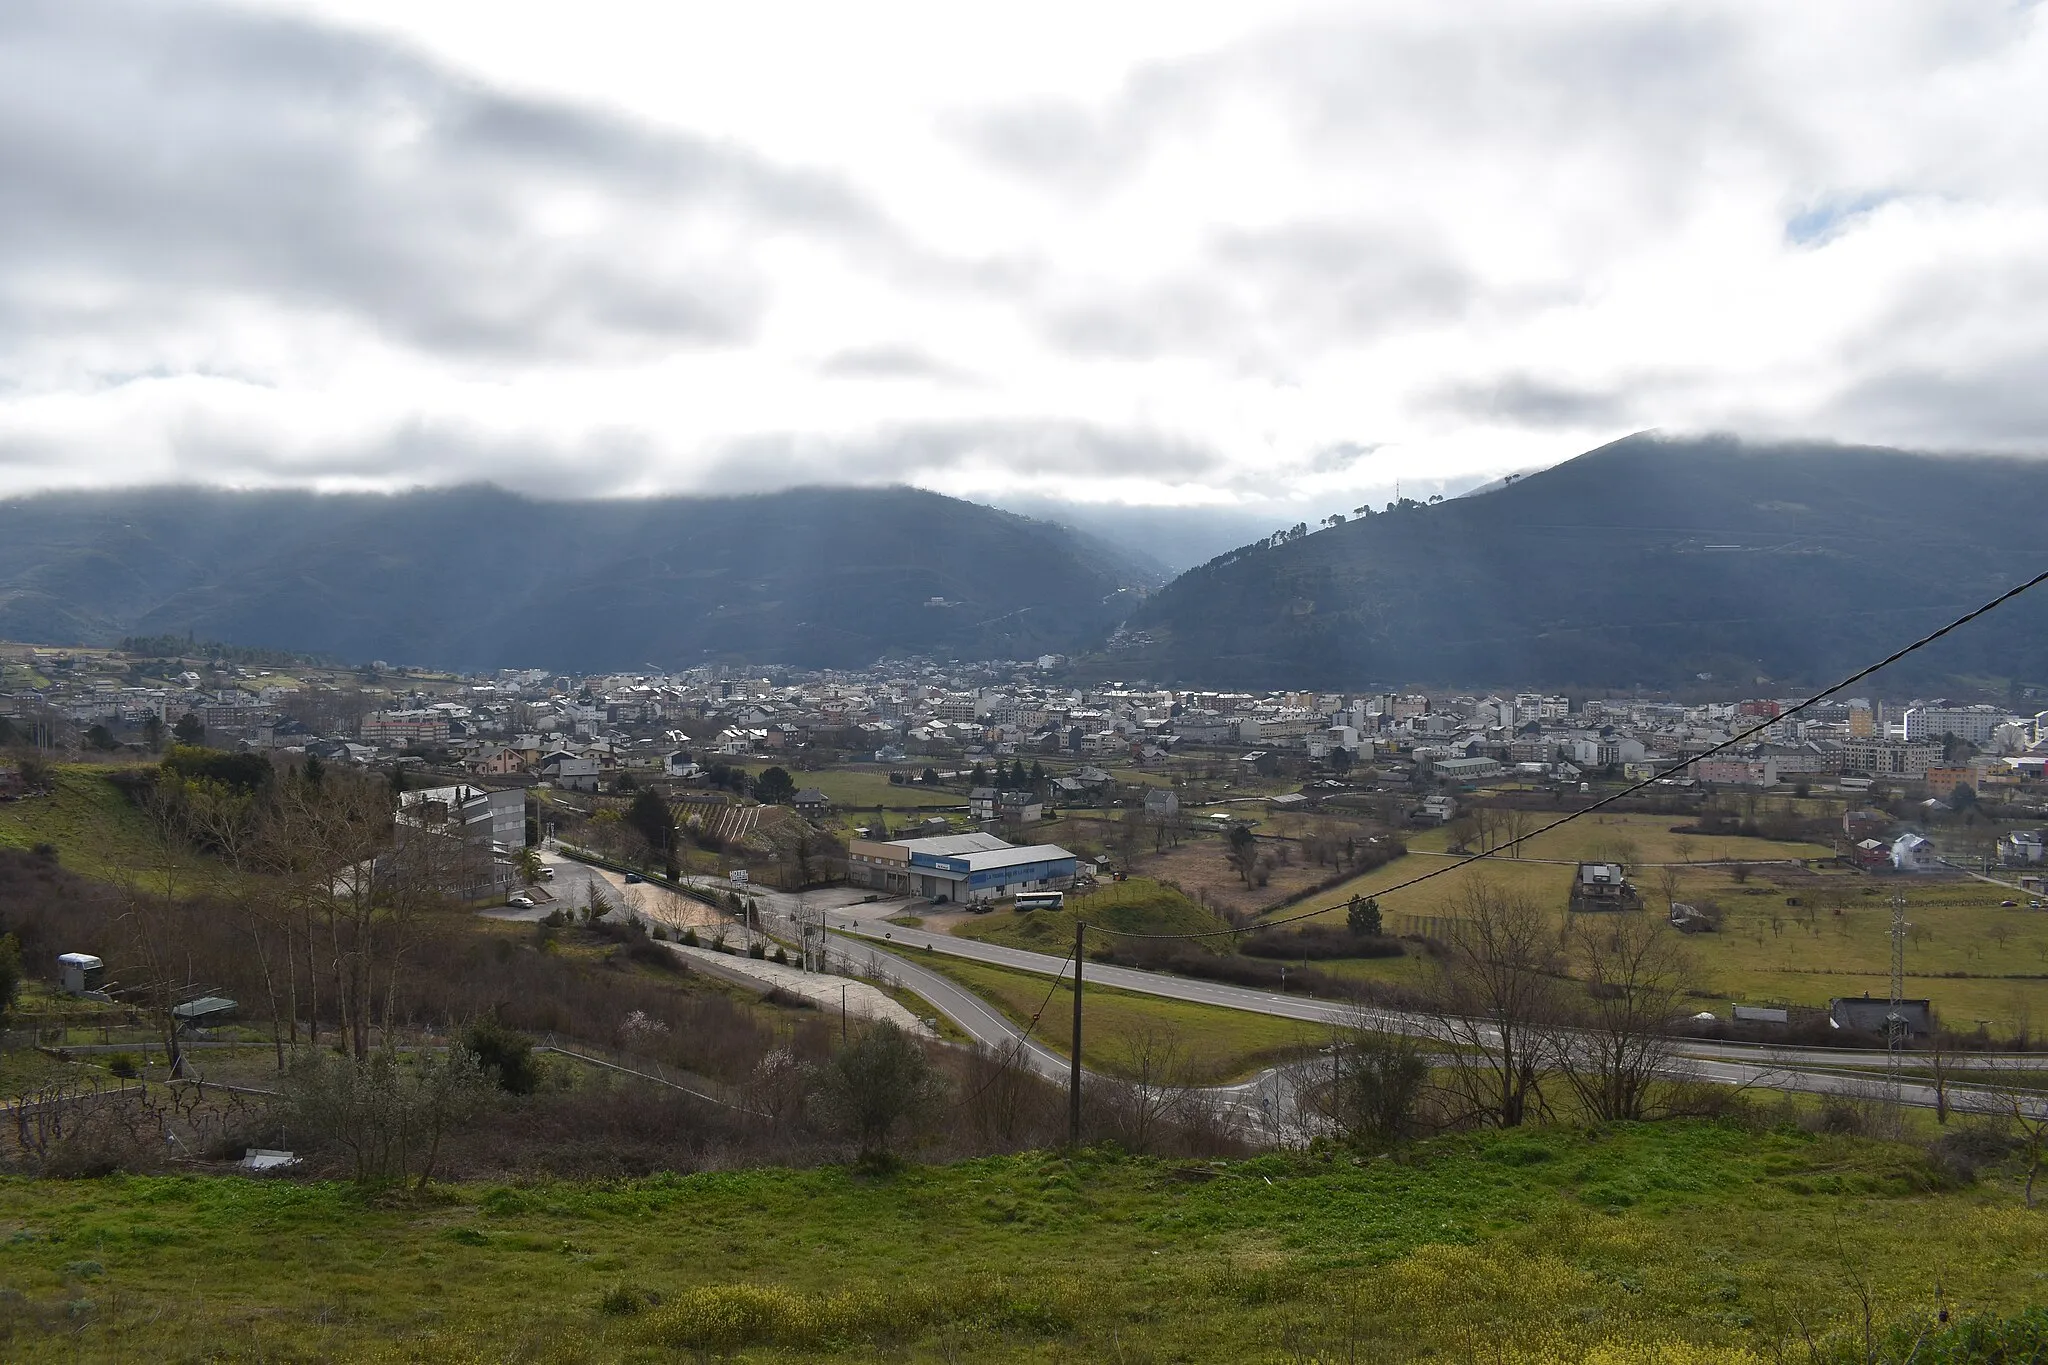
(1124, 1033)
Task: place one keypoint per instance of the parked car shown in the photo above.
(2010, 905)
(547, 874)
(520, 902)
(633, 879)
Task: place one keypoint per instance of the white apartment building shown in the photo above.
(1972, 723)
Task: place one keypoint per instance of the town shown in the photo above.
(965, 785)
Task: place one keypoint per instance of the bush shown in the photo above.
(879, 1080)
(757, 951)
(10, 975)
(124, 1065)
(1968, 1147)
(731, 1317)
(389, 1113)
(620, 1301)
(1319, 941)
(1849, 1116)
(506, 1054)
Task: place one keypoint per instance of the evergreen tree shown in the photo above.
(1363, 917)
(775, 787)
(650, 815)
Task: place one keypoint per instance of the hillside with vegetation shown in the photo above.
(477, 577)
(1690, 1244)
(1647, 562)
(560, 1141)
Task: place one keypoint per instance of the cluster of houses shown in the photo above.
(581, 732)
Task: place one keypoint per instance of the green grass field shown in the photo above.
(1976, 961)
(1215, 1046)
(90, 823)
(855, 791)
(1686, 1244)
(1136, 905)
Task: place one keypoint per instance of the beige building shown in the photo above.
(878, 866)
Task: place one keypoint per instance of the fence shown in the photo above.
(644, 1068)
(1438, 927)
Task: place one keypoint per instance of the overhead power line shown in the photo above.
(1447, 868)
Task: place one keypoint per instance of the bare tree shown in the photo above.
(228, 822)
(2011, 1095)
(1461, 832)
(152, 924)
(1619, 1047)
(359, 882)
(1943, 1056)
(1142, 1101)
(1517, 822)
(1132, 832)
(1495, 1002)
(1483, 827)
(1000, 1097)
(1668, 883)
(1241, 851)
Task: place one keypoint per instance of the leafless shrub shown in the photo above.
(1495, 1002)
(390, 1114)
(1003, 1104)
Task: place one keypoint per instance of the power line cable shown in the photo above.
(1631, 790)
(1022, 1042)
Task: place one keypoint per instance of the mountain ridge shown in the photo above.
(1649, 561)
(475, 576)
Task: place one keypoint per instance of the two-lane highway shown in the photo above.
(855, 925)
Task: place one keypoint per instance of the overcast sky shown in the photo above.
(1184, 253)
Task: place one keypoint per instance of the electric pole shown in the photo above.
(1895, 1029)
(1074, 1062)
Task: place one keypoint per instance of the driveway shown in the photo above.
(570, 890)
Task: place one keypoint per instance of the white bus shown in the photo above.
(1040, 900)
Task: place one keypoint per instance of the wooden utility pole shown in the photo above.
(1074, 1061)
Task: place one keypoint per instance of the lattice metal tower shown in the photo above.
(1895, 1028)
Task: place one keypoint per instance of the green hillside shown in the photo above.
(1646, 562)
(477, 577)
(1691, 1244)
(1135, 906)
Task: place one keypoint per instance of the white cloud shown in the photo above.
(1175, 253)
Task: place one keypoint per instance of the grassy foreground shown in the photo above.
(1678, 1243)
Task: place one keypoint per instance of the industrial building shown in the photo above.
(958, 868)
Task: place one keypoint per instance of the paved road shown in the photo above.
(1254, 1103)
(1810, 1070)
(571, 885)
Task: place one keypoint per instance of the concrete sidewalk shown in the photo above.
(830, 994)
